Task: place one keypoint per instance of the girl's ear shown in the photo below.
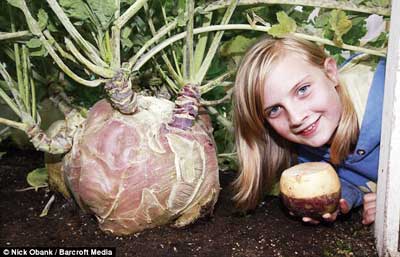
(331, 70)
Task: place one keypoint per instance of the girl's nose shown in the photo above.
(296, 115)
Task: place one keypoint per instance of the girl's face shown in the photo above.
(301, 102)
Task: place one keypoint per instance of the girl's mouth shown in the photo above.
(310, 130)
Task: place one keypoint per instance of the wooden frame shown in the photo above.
(388, 201)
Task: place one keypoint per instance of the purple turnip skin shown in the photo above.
(313, 207)
(139, 171)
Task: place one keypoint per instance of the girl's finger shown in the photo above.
(344, 206)
(310, 220)
(370, 205)
(330, 217)
(370, 197)
(368, 219)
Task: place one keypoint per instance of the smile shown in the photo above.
(309, 131)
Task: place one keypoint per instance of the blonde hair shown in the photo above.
(262, 153)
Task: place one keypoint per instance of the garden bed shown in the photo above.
(268, 231)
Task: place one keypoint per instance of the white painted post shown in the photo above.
(388, 195)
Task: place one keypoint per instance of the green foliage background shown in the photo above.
(94, 20)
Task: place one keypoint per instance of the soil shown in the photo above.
(267, 231)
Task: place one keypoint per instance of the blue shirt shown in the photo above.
(361, 167)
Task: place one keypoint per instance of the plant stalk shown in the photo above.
(224, 121)
(182, 35)
(226, 98)
(215, 44)
(116, 39)
(132, 10)
(35, 29)
(157, 35)
(201, 44)
(14, 35)
(212, 84)
(86, 46)
(342, 5)
(188, 46)
(25, 68)
(161, 33)
(103, 72)
(4, 95)
(13, 124)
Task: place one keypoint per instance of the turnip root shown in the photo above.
(149, 168)
(310, 189)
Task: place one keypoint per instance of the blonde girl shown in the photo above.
(290, 107)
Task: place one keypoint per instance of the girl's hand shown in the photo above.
(331, 217)
(369, 209)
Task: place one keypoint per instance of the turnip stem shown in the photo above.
(226, 98)
(170, 83)
(17, 57)
(13, 124)
(161, 33)
(188, 46)
(59, 48)
(215, 44)
(214, 83)
(9, 102)
(33, 99)
(116, 39)
(116, 48)
(14, 35)
(174, 58)
(346, 6)
(128, 14)
(25, 73)
(179, 36)
(4, 95)
(35, 29)
(201, 44)
(224, 121)
(103, 72)
(18, 68)
(156, 35)
(89, 49)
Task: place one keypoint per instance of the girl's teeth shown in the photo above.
(310, 128)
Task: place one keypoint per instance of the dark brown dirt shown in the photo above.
(268, 231)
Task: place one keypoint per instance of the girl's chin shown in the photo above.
(315, 142)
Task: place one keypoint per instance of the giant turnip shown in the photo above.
(138, 171)
(135, 162)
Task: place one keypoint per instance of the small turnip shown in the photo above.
(310, 189)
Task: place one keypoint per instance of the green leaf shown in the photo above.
(322, 20)
(43, 18)
(76, 9)
(33, 43)
(104, 11)
(236, 46)
(381, 3)
(15, 3)
(275, 190)
(37, 178)
(128, 2)
(285, 26)
(181, 12)
(1, 154)
(340, 24)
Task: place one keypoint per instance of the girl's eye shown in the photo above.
(273, 111)
(303, 90)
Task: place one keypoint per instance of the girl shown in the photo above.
(290, 106)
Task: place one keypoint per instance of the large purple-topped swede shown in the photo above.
(145, 169)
